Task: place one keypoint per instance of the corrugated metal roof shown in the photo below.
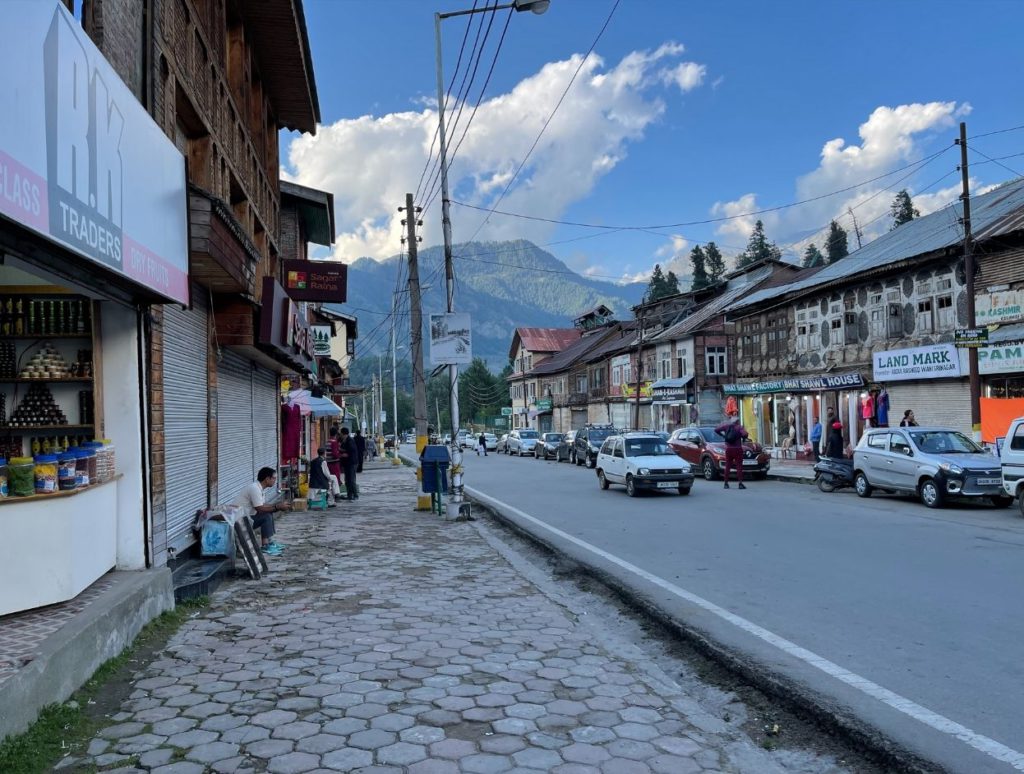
(545, 339)
(568, 356)
(997, 212)
(715, 305)
(625, 339)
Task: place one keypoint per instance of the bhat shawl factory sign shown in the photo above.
(81, 161)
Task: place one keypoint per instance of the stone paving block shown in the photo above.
(345, 726)
(401, 754)
(373, 739)
(181, 767)
(434, 767)
(517, 726)
(502, 744)
(212, 752)
(592, 734)
(192, 738)
(293, 763)
(139, 744)
(245, 734)
(98, 746)
(624, 766)
(347, 759)
(319, 744)
(366, 711)
(155, 714)
(297, 730)
(236, 765)
(155, 758)
(270, 748)
(223, 722)
(632, 749)
(537, 758)
(486, 764)
(392, 722)
(123, 730)
(273, 718)
(590, 754)
(673, 764)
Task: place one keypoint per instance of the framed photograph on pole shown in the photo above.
(451, 340)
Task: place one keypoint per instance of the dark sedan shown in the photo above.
(547, 446)
(564, 450)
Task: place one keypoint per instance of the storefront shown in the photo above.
(672, 400)
(780, 413)
(928, 381)
(1001, 365)
(92, 231)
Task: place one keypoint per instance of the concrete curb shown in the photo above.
(68, 658)
(789, 478)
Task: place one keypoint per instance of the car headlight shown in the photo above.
(644, 471)
(951, 467)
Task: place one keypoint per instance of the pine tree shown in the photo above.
(813, 256)
(714, 263)
(758, 248)
(658, 287)
(836, 247)
(671, 283)
(902, 209)
(700, 273)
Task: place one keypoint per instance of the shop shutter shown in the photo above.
(709, 408)
(266, 412)
(579, 418)
(622, 415)
(186, 435)
(936, 402)
(234, 426)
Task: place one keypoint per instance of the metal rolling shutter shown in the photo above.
(186, 434)
(622, 415)
(938, 403)
(234, 426)
(579, 418)
(266, 411)
(709, 408)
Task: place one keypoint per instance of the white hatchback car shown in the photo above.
(642, 461)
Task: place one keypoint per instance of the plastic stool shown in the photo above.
(317, 499)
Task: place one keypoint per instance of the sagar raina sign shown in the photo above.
(325, 281)
(81, 162)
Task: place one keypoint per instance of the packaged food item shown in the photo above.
(105, 461)
(46, 474)
(3, 478)
(67, 477)
(21, 476)
(85, 461)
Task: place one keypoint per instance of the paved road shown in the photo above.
(927, 604)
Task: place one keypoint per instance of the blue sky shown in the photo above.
(685, 111)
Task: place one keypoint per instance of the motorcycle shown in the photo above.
(832, 474)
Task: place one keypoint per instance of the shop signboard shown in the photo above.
(506, 411)
(284, 330)
(797, 384)
(451, 341)
(544, 404)
(321, 340)
(83, 164)
(1001, 359)
(970, 337)
(325, 281)
(629, 390)
(933, 362)
(1000, 307)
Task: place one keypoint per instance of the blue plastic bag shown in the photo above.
(216, 539)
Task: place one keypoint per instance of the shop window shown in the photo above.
(778, 333)
(925, 321)
(1009, 387)
(895, 320)
(946, 313)
(715, 361)
(877, 323)
(850, 327)
(616, 376)
(666, 366)
(681, 365)
(581, 384)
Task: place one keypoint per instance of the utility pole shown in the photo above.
(419, 386)
(972, 353)
(639, 364)
(394, 372)
(856, 227)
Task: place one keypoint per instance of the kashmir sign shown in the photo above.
(451, 341)
(1000, 307)
(81, 161)
(324, 281)
(934, 362)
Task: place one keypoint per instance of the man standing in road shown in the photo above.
(734, 435)
(348, 455)
(816, 431)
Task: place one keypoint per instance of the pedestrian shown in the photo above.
(334, 456)
(908, 419)
(734, 434)
(253, 501)
(816, 431)
(320, 477)
(481, 445)
(348, 455)
(360, 441)
(835, 447)
(830, 417)
(371, 448)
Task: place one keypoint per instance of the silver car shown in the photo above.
(521, 442)
(934, 463)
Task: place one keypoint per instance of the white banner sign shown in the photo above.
(934, 362)
(1004, 306)
(81, 161)
(1001, 359)
(321, 340)
(451, 341)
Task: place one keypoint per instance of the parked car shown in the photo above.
(587, 443)
(703, 448)
(1012, 462)
(491, 442)
(934, 463)
(502, 443)
(564, 449)
(642, 461)
(521, 442)
(547, 446)
(464, 439)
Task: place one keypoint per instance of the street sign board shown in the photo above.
(506, 411)
(971, 337)
(451, 340)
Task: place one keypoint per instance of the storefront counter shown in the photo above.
(55, 546)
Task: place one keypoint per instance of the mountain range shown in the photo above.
(502, 285)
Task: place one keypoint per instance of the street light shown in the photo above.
(536, 7)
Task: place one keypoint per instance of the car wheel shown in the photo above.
(576, 459)
(591, 461)
(931, 494)
(861, 485)
(1002, 501)
(630, 487)
(601, 480)
(684, 490)
(708, 468)
(824, 485)
(520, 452)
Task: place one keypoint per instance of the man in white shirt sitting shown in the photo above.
(253, 500)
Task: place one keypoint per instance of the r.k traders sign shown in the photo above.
(935, 362)
(81, 161)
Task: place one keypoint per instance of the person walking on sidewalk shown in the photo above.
(481, 445)
(360, 441)
(816, 432)
(334, 456)
(253, 501)
(908, 419)
(734, 434)
(348, 455)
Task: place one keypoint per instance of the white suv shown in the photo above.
(642, 461)
(1012, 462)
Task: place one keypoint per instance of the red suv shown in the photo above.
(703, 448)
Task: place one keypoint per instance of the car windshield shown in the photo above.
(709, 434)
(552, 437)
(530, 434)
(945, 442)
(599, 434)
(646, 447)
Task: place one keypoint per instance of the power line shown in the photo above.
(996, 161)
(997, 131)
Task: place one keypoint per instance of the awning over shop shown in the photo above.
(670, 392)
(675, 383)
(321, 407)
(1003, 333)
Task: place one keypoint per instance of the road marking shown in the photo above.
(902, 704)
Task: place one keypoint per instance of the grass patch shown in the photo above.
(63, 729)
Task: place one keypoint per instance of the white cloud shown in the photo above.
(370, 162)
(891, 137)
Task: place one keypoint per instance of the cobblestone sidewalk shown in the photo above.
(390, 641)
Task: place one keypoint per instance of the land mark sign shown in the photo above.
(934, 362)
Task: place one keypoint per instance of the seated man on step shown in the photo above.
(320, 477)
(253, 501)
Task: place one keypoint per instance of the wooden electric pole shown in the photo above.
(972, 353)
(419, 385)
